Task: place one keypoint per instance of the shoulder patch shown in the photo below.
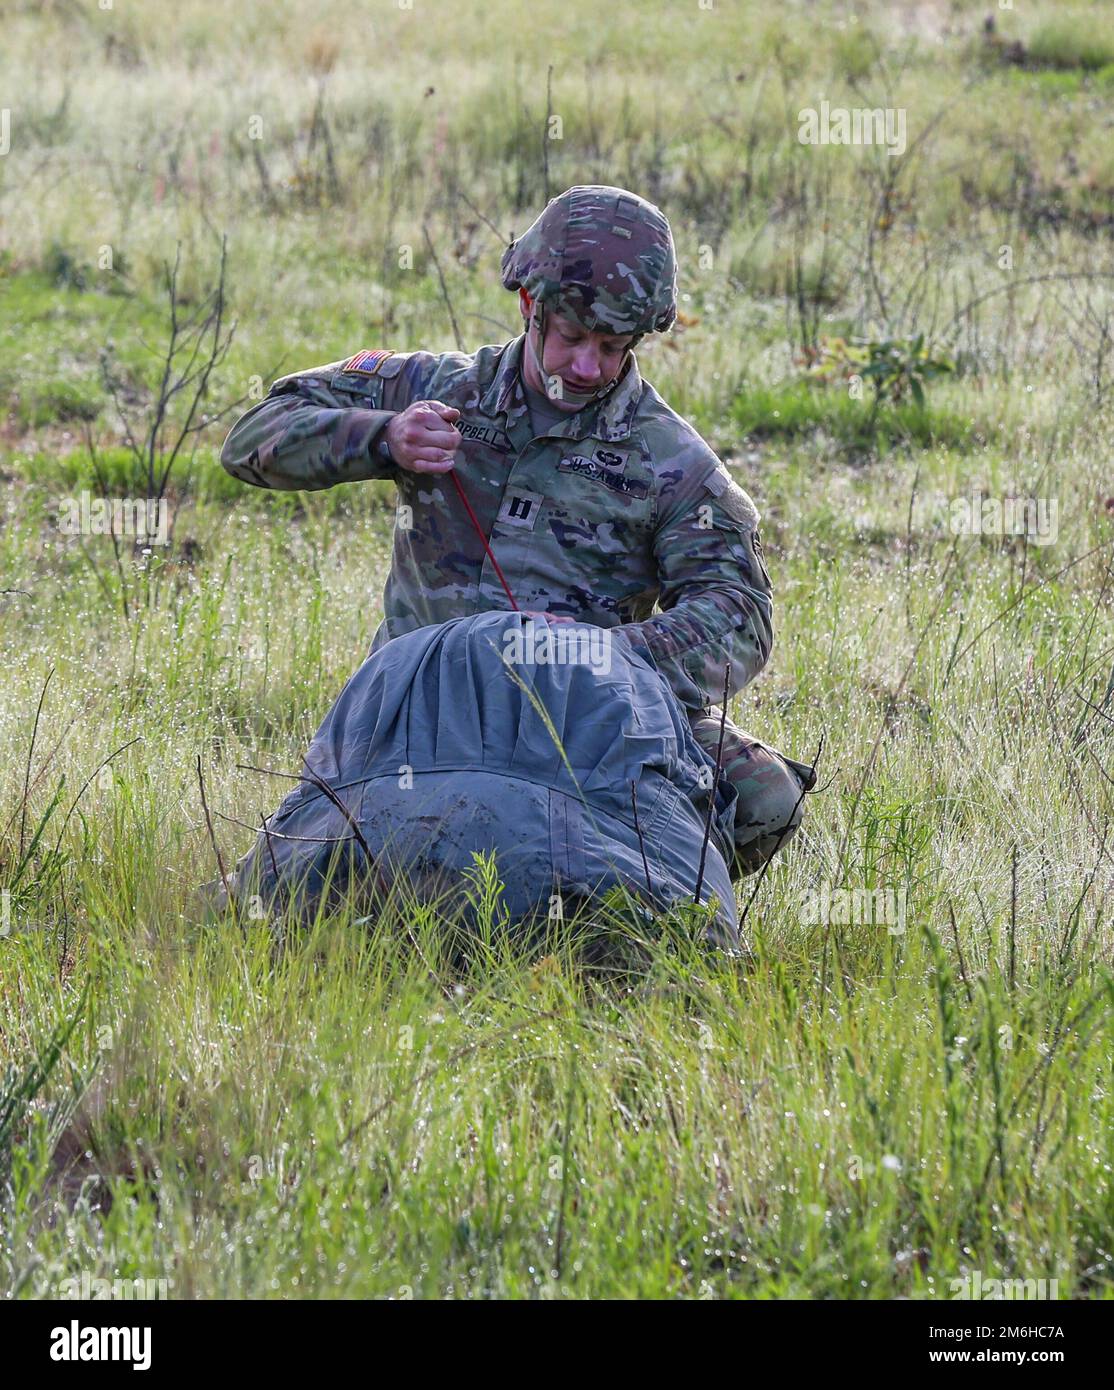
(735, 502)
(369, 362)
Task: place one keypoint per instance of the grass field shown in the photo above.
(864, 1109)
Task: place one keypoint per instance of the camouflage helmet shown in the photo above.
(600, 256)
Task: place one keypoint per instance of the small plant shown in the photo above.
(162, 416)
(897, 368)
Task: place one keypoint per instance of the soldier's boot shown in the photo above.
(770, 788)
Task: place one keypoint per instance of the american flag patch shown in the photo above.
(369, 361)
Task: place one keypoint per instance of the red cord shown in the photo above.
(479, 532)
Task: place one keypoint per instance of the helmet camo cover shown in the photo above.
(601, 256)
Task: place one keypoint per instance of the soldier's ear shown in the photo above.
(525, 303)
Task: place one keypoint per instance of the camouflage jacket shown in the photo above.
(617, 508)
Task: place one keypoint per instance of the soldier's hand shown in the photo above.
(422, 438)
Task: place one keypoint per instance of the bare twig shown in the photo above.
(504, 240)
(1013, 919)
(323, 786)
(545, 130)
(30, 756)
(638, 832)
(1016, 284)
(715, 783)
(279, 835)
(444, 289)
(213, 839)
(270, 849)
(269, 772)
(959, 953)
(196, 345)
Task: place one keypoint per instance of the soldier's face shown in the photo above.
(580, 360)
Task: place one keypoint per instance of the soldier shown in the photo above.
(597, 501)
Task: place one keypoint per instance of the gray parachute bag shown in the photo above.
(445, 745)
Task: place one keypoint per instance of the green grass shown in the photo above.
(850, 1113)
(533, 1129)
(1067, 42)
(699, 1098)
(799, 409)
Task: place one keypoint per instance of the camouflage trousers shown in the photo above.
(769, 785)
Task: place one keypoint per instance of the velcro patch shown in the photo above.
(521, 509)
(368, 362)
(617, 482)
(735, 502)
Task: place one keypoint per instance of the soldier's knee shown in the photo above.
(770, 811)
(769, 787)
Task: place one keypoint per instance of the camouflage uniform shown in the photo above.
(615, 509)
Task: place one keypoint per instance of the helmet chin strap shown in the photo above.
(563, 393)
